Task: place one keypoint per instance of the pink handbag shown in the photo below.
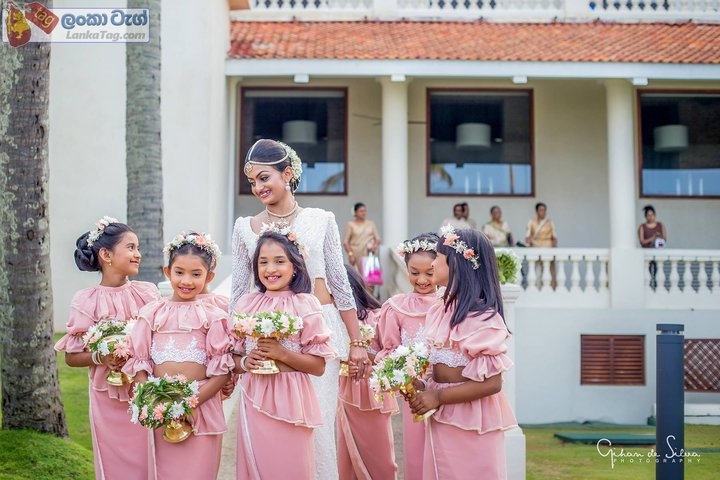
(371, 272)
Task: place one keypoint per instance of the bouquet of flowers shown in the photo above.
(508, 265)
(109, 337)
(165, 402)
(367, 334)
(267, 325)
(398, 370)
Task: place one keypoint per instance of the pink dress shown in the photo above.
(278, 413)
(365, 439)
(119, 447)
(220, 301)
(402, 322)
(170, 331)
(468, 437)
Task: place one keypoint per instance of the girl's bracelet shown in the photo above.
(95, 357)
(242, 363)
(358, 343)
(424, 383)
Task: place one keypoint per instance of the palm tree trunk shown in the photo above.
(143, 147)
(30, 391)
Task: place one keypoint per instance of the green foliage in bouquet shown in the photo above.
(159, 401)
(399, 368)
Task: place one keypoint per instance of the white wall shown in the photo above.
(87, 136)
(548, 363)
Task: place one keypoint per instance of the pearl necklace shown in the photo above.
(282, 216)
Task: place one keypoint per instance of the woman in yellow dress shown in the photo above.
(361, 236)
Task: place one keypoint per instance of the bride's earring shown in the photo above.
(287, 186)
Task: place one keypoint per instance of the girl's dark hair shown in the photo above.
(358, 206)
(429, 237)
(363, 300)
(301, 278)
(190, 249)
(267, 151)
(87, 257)
(472, 292)
(648, 208)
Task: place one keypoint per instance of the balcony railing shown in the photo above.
(682, 279)
(500, 10)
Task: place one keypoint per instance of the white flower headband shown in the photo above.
(295, 162)
(285, 231)
(201, 240)
(101, 224)
(412, 246)
(453, 241)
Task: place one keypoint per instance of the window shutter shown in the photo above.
(612, 360)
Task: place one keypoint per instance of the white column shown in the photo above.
(626, 260)
(394, 160)
(515, 438)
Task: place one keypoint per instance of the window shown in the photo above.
(312, 121)
(680, 144)
(480, 142)
(612, 360)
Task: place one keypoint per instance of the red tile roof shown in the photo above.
(685, 43)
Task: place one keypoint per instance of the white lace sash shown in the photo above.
(171, 353)
(448, 357)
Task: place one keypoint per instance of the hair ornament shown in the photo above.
(412, 246)
(452, 240)
(284, 230)
(295, 162)
(101, 225)
(201, 240)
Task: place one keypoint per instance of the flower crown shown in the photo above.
(453, 241)
(285, 231)
(200, 240)
(295, 162)
(412, 246)
(101, 224)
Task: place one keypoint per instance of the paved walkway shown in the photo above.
(227, 462)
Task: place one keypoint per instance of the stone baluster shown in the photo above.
(575, 276)
(702, 274)
(674, 276)
(561, 277)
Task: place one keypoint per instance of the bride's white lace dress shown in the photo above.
(318, 233)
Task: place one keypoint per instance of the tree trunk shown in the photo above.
(143, 147)
(30, 391)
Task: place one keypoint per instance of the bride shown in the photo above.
(273, 170)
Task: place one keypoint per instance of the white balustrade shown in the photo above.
(498, 10)
(564, 277)
(680, 279)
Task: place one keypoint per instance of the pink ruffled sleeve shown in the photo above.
(219, 345)
(315, 337)
(78, 323)
(487, 349)
(140, 339)
(388, 331)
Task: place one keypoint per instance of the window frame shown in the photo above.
(639, 145)
(242, 148)
(612, 367)
(428, 159)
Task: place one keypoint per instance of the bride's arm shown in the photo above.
(241, 268)
(341, 291)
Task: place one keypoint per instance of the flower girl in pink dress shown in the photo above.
(467, 336)
(402, 322)
(119, 447)
(365, 439)
(278, 412)
(183, 335)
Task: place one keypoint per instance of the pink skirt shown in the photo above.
(197, 458)
(365, 444)
(413, 444)
(269, 448)
(120, 447)
(451, 453)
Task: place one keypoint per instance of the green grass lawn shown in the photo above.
(549, 458)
